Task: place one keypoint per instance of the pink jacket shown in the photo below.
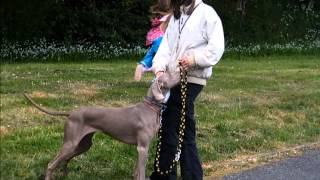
(155, 32)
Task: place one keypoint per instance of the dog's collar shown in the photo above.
(153, 103)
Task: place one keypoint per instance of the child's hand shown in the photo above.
(138, 73)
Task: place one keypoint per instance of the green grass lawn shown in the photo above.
(252, 105)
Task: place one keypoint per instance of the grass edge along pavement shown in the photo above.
(250, 106)
(247, 162)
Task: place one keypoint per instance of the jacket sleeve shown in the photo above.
(162, 56)
(148, 58)
(211, 54)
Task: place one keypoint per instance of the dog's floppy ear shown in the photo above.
(156, 90)
(160, 85)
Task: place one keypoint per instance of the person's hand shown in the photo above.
(184, 62)
(138, 73)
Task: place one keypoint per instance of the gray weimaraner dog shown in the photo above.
(135, 125)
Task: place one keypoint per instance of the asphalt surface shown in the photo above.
(305, 167)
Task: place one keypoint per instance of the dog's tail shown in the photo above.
(51, 112)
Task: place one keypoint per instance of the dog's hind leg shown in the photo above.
(66, 152)
(82, 147)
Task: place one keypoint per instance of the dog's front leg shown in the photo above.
(142, 157)
(143, 141)
(135, 170)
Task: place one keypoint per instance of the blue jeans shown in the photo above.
(189, 158)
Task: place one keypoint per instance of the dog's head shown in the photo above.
(163, 84)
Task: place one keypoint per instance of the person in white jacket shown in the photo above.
(194, 38)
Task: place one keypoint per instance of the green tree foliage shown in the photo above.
(75, 20)
(127, 21)
(269, 21)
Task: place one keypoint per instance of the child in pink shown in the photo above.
(153, 37)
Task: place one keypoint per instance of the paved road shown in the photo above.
(306, 167)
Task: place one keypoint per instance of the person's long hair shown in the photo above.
(162, 7)
(175, 6)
